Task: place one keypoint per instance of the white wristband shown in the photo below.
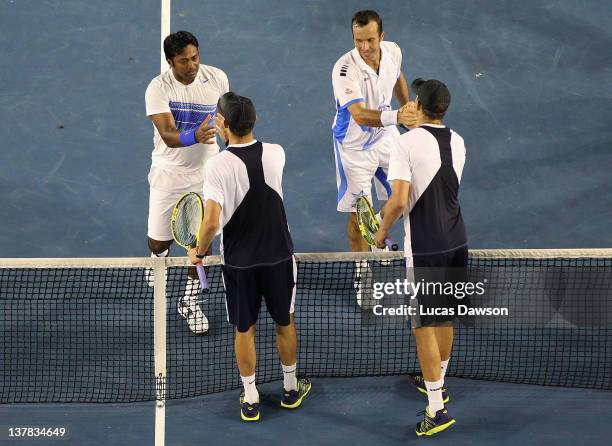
(388, 117)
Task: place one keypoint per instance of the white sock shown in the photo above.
(289, 378)
(434, 395)
(161, 254)
(251, 395)
(443, 367)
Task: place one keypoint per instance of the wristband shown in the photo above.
(188, 138)
(388, 117)
(200, 256)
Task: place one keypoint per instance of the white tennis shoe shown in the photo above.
(189, 308)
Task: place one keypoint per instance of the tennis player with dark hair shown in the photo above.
(243, 193)
(181, 103)
(364, 82)
(425, 171)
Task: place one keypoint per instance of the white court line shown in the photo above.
(165, 30)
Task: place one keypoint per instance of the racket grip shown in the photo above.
(203, 279)
(391, 244)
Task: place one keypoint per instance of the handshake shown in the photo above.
(407, 115)
(210, 128)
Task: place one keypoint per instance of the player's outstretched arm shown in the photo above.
(365, 116)
(166, 126)
(401, 91)
(375, 118)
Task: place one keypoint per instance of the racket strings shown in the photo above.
(187, 222)
(367, 221)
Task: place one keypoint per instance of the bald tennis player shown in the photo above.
(243, 193)
(425, 171)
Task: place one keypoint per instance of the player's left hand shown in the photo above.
(192, 257)
(379, 238)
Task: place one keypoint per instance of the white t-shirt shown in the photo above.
(226, 181)
(355, 81)
(420, 157)
(189, 104)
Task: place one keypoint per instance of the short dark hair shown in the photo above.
(362, 18)
(175, 43)
(238, 112)
(433, 95)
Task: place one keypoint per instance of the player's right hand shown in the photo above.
(407, 115)
(193, 257)
(205, 134)
(220, 125)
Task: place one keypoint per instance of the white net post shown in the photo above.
(159, 266)
(159, 332)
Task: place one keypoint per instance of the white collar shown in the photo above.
(243, 144)
(363, 65)
(179, 83)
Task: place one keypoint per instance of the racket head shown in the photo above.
(186, 220)
(366, 219)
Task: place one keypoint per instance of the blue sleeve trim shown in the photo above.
(349, 103)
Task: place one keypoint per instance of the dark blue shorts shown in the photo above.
(446, 268)
(245, 288)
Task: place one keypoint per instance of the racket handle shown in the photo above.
(391, 244)
(203, 279)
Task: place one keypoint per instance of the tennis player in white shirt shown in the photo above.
(364, 81)
(182, 103)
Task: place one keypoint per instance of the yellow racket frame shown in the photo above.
(367, 231)
(175, 212)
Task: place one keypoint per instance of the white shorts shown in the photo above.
(165, 190)
(355, 170)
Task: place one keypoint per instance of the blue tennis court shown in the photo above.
(364, 411)
(81, 347)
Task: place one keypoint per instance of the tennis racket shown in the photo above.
(366, 219)
(186, 221)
